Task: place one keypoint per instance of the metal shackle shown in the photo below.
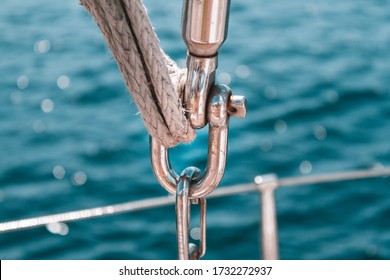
(220, 106)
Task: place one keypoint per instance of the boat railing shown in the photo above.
(263, 184)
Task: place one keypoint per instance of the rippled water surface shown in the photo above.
(316, 76)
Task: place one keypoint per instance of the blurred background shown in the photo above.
(316, 76)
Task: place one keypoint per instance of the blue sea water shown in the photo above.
(316, 76)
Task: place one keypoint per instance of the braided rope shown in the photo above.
(154, 80)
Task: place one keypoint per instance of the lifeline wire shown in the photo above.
(165, 201)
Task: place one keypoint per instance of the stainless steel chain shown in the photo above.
(186, 250)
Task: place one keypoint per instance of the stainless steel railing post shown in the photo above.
(266, 184)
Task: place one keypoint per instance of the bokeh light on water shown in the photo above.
(315, 75)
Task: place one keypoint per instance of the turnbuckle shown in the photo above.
(186, 250)
(221, 105)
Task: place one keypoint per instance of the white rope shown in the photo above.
(164, 201)
(153, 79)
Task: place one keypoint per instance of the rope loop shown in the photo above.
(155, 82)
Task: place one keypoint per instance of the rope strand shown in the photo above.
(154, 80)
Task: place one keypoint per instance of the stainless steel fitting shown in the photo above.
(221, 105)
(186, 250)
(204, 29)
